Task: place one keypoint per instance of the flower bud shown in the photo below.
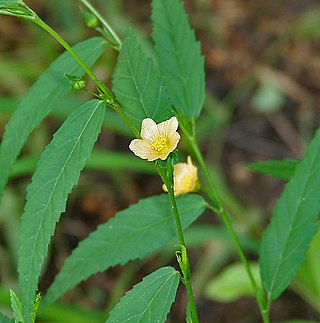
(91, 20)
(77, 83)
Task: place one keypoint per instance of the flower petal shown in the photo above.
(169, 127)
(149, 129)
(140, 148)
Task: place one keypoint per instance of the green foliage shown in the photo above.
(307, 282)
(283, 169)
(16, 307)
(4, 3)
(5, 319)
(293, 224)
(15, 8)
(179, 56)
(57, 171)
(133, 233)
(138, 85)
(148, 301)
(41, 99)
(309, 25)
(232, 283)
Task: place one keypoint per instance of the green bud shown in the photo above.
(91, 20)
(77, 83)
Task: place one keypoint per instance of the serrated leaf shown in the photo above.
(41, 99)
(232, 283)
(16, 307)
(293, 224)
(133, 233)
(148, 301)
(5, 319)
(138, 85)
(57, 172)
(179, 56)
(283, 169)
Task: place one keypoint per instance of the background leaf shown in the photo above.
(232, 283)
(133, 233)
(283, 169)
(58, 170)
(179, 56)
(150, 300)
(293, 224)
(100, 160)
(138, 85)
(41, 100)
(307, 282)
(5, 319)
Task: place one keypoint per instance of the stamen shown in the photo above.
(160, 144)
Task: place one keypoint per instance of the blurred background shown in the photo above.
(262, 102)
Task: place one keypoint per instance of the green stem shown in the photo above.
(168, 181)
(109, 98)
(104, 22)
(218, 208)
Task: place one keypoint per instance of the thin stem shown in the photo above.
(72, 52)
(168, 181)
(109, 98)
(218, 208)
(104, 22)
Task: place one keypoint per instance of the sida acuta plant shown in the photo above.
(153, 102)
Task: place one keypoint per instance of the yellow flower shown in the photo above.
(158, 140)
(185, 178)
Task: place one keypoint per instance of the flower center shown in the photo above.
(160, 144)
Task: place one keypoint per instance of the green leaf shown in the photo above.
(149, 300)
(57, 172)
(16, 307)
(307, 282)
(5, 3)
(133, 233)
(41, 99)
(283, 169)
(5, 319)
(231, 284)
(293, 224)
(179, 56)
(138, 85)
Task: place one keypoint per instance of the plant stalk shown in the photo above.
(168, 181)
(109, 98)
(218, 208)
(104, 23)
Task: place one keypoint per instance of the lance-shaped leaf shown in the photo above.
(16, 307)
(138, 85)
(179, 56)
(41, 99)
(57, 172)
(133, 233)
(283, 169)
(293, 224)
(149, 300)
